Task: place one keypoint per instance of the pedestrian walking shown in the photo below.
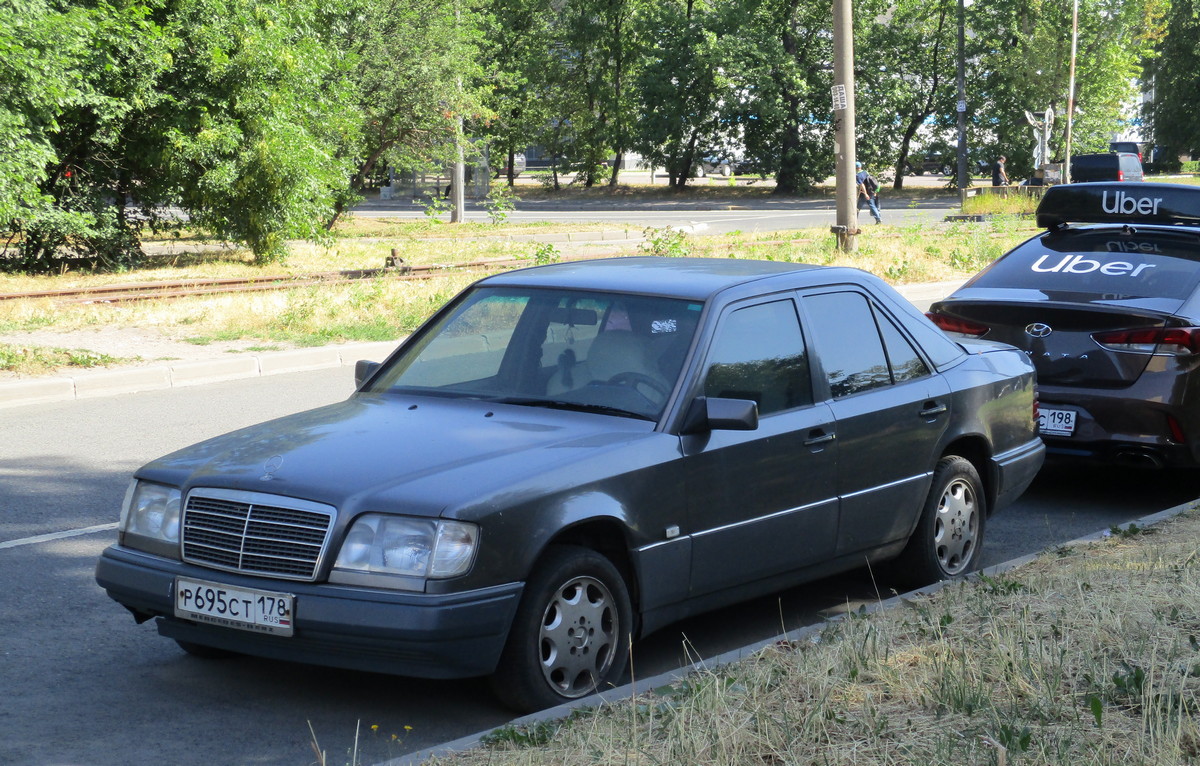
(868, 191)
(999, 177)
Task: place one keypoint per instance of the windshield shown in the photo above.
(600, 351)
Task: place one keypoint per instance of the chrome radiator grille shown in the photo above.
(255, 533)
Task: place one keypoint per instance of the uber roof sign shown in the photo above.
(1129, 203)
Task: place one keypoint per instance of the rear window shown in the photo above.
(1105, 263)
(1092, 161)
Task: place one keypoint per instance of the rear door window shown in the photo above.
(861, 347)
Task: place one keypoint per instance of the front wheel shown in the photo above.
(949, 535)
(571, 633)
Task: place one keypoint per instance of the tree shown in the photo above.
(905, 72)
(519, 53)
(1174, 113)
(72, 77)
(1021, 61)
(252, 116)
(226, 108)
(680, 86)
(415, 73)
(37, 78)
(784, 77)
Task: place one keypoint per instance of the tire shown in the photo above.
(726, 171)
(948, 540)
(570, 636)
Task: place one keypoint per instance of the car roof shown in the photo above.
(687, 278)
(1129, 204)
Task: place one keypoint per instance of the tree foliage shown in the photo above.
(262, 120)
(416, 72)
(1174, 114)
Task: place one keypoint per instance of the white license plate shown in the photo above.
(257, 610)
(1056, 422)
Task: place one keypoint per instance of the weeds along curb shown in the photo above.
(623, 693)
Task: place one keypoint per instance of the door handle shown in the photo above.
(933, 408)
(818, 436)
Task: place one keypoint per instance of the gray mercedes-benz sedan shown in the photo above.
(569, 456)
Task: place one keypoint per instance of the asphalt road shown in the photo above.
(84, 685)
(702, 216)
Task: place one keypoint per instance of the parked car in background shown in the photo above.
(501, 170)
(569, 456)
(1106, 302)
(722, 166)
(1122, 166)
(940, 163)
(1126, 147)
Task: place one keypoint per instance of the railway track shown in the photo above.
(166, 290)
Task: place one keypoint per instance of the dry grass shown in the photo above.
(1086, 656)
(386, 309)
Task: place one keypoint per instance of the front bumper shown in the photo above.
(455, 635)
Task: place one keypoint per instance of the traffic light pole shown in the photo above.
(843, 118)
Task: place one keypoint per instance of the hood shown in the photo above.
(380, 451)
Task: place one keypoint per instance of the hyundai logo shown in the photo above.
(1038, 330)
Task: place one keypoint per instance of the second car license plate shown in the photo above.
(1056, 422)
(216, 604)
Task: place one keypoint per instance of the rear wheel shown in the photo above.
(570, 636)
(949, 536)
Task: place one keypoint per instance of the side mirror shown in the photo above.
(715, 414)
(363, 370)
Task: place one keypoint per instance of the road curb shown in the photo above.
(89, 384)
(806, 633)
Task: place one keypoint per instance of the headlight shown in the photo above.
(396, 545)
(150, 518)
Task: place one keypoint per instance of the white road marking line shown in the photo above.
(57, 535)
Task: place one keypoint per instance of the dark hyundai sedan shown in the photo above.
(568, 456)
(1110, 315)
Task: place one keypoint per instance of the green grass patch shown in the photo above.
(25, 360)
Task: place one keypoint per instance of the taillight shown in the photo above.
(956, 325)
(1165, 341)
(1177, 433)
(1120, 175)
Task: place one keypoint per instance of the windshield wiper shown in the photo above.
(561, 404)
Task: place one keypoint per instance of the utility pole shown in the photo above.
(843, 119)
(457, 180)
(458, 194)
(1066, 174)
(962, 95)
